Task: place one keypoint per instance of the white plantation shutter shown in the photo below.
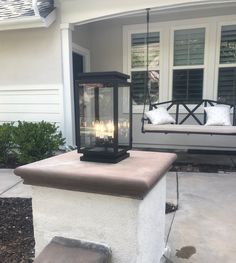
(227, 74)
(189, 47)
(188, 71)
(187, 85)
(228, 45)
(139, 64)
(227, 85)
(139, 48)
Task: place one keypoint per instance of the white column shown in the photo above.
(68, 92)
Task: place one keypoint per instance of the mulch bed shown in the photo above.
(16, 230)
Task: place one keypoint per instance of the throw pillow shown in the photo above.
(218, 116)
(159, 116)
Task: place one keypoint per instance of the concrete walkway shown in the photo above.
(12, 186)
(203, 229)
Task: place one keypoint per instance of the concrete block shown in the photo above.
(61, 250)
(134, 229)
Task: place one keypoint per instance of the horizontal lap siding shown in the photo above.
(30, 103)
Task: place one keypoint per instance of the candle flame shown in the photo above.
(103, 130)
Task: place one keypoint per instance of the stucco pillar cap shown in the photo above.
(133, 177)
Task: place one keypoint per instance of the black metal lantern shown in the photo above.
(103, 118)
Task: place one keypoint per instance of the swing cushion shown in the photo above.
(195, 129)
(159, 116)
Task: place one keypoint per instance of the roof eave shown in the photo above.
(28, 22)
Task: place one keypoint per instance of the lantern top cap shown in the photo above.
(102, 77)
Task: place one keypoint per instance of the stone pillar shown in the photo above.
(119, 205)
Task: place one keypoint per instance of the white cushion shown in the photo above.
(159, 116)
(218, 115)
(197, 129)
(223, 105)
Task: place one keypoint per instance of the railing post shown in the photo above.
(177, 113)
(234, 113)
(205, 105)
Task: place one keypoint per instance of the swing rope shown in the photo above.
(146, 88)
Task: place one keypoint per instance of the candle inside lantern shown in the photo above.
(110, 129)
(103, 130)
(123, 127)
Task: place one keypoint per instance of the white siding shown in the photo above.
(30, 103)
(31, 75)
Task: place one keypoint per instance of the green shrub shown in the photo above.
(36, 141)
(7, 145)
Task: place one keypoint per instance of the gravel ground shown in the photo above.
(16, 230)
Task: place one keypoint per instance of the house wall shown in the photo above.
(106, 47)
(31, 84)
(30, 76)
(81, 36)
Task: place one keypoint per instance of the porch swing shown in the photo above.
(175, 107)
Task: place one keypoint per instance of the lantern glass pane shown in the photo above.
(96, 118)
(124, 118)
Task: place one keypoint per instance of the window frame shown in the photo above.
(173, 67)
(217, 60)
(166, 29)
(143, 69)
(127, 45)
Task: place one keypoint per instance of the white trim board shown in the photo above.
(68, 91)
(83, 52)
(31, 87)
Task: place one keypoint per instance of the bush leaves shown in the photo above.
(28, 142)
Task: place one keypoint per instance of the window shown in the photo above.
(227, 65)
(187, 84)
(139, 64)
(188, 60)
(188, 64)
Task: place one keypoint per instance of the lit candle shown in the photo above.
(125, 124)
(102, 130)
(110, 129)
(96, 128)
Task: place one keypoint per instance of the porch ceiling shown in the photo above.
(77, 12)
